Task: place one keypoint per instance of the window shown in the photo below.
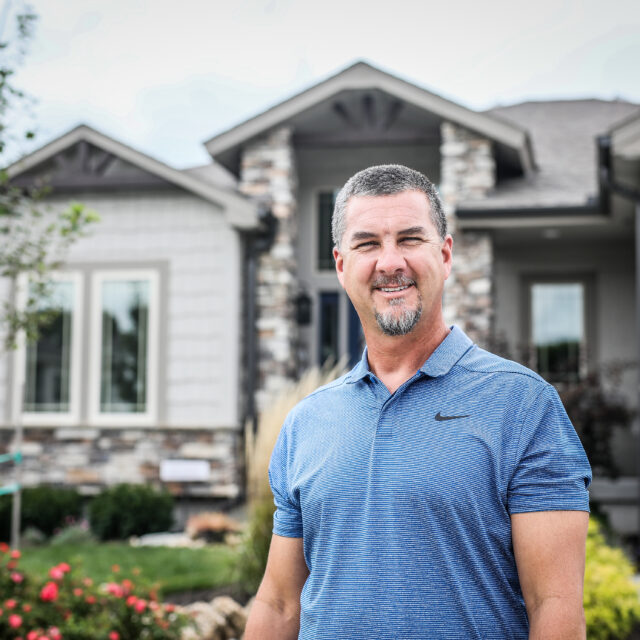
(558, 336)
(326, 201)
(51, 364)
(124, 346)
(329, 345)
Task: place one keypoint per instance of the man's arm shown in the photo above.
(549, 548)
(275, 613)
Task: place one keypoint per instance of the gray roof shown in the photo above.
(215, 174)
(563, 134)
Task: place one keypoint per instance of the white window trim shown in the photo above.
(42, 418)
(149, 417)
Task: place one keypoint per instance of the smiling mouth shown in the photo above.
(394, 289)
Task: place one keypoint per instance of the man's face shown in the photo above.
(392, 262)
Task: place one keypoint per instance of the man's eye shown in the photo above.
(365, 245)
(411, 239)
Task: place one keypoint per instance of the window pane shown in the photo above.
(558, 329)
(48, 367)
(125, 317)
(328, 327)
(326, 201)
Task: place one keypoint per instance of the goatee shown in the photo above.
(394, 324)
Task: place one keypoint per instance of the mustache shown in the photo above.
(392, 281)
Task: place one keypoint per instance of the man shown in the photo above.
(436, 490)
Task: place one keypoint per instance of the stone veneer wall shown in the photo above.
(90, 459)
(468, 173)
(268, 174)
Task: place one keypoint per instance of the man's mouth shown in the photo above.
(394, 289)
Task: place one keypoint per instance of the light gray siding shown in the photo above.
(198, 258)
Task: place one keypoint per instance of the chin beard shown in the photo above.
(398, 324)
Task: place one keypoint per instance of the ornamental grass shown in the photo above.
(64, 605)
(255, 546)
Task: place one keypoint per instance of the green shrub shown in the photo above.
(611, 601)
(45, 508)
(77, 533)
(126, 510)
(254, 549)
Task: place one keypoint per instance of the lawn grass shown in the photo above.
(170, 569)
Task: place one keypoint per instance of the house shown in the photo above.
(234, 259)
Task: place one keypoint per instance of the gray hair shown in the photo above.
(386, 180)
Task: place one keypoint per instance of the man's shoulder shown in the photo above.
(481, 361)
(326, 396)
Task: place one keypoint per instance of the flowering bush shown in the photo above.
(65, 606)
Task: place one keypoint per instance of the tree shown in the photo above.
(33, 239)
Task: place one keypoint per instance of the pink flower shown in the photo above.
(10, 604)
(54, 633)
(49, 592)
(115, 589)
(32, 635)
(90, 599)
(77, 592)
(114, 635)
(26, 608)
(56, 573)
(131, 600)
(15, 621)
(127, 585)
(4, 547)
(64, 567)
(141, 605)
(17, 577)
(15, 554)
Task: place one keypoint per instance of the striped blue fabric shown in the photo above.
(404, 515)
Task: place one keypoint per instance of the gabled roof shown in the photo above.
(239, 211)
(363, 76)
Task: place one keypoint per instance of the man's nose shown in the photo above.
(390, 258)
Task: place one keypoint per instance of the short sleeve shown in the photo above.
(287, 519)
(551, 471)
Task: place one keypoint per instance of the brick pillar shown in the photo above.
(468, 173)
(268, 174)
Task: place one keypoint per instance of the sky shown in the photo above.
(163, 76)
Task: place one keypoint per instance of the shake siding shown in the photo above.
(201, 283)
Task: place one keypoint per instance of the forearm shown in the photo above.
(270, 622)
(557, 619)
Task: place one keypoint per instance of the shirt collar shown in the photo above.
(447, 353)
(440, 362)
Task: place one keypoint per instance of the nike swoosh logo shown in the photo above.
(440, 418)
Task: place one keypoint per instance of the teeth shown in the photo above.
(393, 289)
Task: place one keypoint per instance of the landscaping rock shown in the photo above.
(221, 619)
(166, 540)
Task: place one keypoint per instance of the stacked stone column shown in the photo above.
(267, 174)
(468, 173)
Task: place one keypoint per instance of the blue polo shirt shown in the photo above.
(403, 500)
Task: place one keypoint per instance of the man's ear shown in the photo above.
(447, 255)
(339, 260)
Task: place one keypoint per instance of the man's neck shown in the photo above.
(395, 359)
